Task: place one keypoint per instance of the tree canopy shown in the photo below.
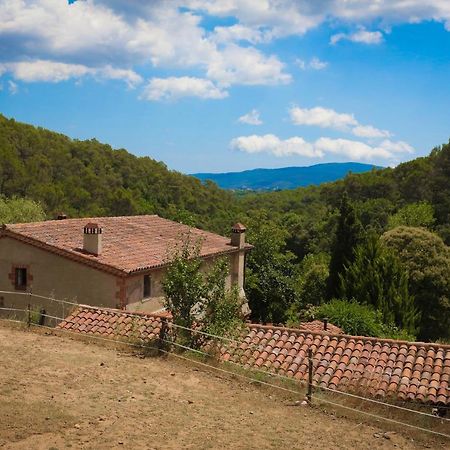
(427, 260)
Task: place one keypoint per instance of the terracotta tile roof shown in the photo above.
(371, 367)
(367, 366)
(113, 323)
(130, 243)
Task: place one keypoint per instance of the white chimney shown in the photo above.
(92, 239)
(238, 235)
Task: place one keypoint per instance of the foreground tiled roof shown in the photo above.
(367, 366)
(113, 323)
(371, 367)
(130, 243)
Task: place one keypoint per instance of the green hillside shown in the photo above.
(87, 178)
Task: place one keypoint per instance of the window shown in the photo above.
(147, 286)
(21, 279)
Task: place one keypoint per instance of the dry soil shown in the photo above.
(60, 393)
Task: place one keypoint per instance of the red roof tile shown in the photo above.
(130, 243)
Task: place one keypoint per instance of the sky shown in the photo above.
(230, 85)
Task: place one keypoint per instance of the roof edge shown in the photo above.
(349, 336)
(6, 232)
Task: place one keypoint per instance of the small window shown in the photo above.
(147, 286)
(21, 279)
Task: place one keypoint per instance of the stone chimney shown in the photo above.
(92, 239)
(238, 235)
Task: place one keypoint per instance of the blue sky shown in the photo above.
(230, 85)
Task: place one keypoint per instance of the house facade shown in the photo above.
(113, 262)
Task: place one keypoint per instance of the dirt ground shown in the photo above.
(59, 393)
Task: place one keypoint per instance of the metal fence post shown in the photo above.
(29, 315)
(310, 375)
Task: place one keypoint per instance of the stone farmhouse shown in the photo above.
(114, 262)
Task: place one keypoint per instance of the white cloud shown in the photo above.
(177, 87)
(13, 87)
(54, 72)
(361, 36)
(396, 147)
(317, 64)
(295, 17)
(314, 64)
(251, 118)
(87, 35)
(329, 118)
(113, 73)
(269, 143)
(354, 150)
(368, 131)
(322, 117)
(40, 70)
(236, 33)
(246, 65)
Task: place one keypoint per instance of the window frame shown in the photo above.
(24, 276)
(147, 288)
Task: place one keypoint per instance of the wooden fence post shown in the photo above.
(42, 314)
(162, 335)
(310, 375)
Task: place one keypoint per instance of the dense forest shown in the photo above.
(370, 252)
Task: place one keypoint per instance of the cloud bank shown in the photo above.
(52, 41)
(354, 150)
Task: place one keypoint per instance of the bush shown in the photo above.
(353, 318)
(358, 320)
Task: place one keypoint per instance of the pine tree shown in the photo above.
(377, 278)
(348, 236)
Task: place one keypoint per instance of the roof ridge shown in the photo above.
(121, 311)
(348, 336)
(72, 219)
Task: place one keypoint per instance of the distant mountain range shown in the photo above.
(284, 178)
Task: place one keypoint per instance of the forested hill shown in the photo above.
(87, 178)
(307, 213)
(285, 177)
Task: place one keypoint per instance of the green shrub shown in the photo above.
(353, 318)
(358, 320)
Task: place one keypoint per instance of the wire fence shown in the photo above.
(166, 346)
(239, 344)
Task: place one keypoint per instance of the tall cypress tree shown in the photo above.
(348, 236)
(377, 278)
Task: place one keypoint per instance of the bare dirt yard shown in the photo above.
(60, 393)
